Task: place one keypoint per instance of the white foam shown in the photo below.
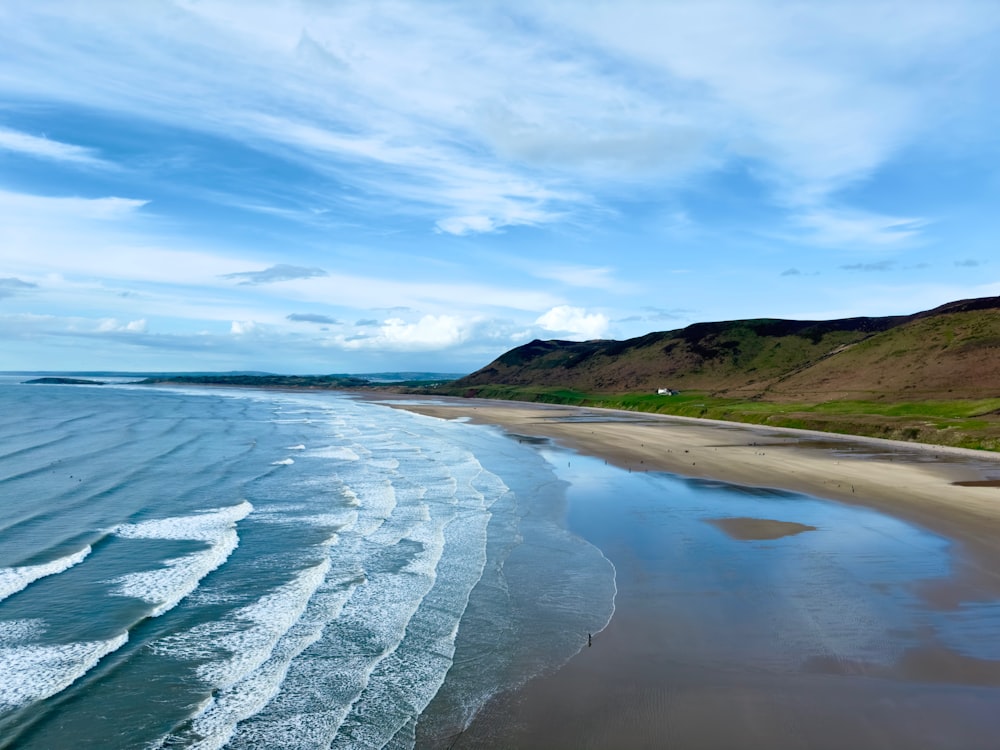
(298, 447)
(216, 722)
(16, 579)
(283, 462)
(167, 586)
(263, 512)
(384, 463)
(31, 673)
(203, 526)
(21, 631)
(389, 649)
(270, 617)
(344, 519)
(377, 499)
(262, 640)
(376, 614)
(250, 634)
(257, 694)
(340, 452)
(406, 680)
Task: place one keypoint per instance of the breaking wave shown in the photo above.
(19, 578)
(178, 577)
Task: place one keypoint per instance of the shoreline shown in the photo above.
(640, 687)
(953, 492)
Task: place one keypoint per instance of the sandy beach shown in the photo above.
(952, 491)
(639, 687)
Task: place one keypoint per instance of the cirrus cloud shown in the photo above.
(280, 272)
(43, 148)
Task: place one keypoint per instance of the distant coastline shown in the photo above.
(304, 382)
(961, 423)
(62, 381)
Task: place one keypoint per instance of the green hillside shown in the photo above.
(933, 376)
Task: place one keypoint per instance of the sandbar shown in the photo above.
(759, 529)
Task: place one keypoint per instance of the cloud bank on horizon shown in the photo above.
(309, 187)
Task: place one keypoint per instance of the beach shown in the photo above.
(218, 567)
(704, 666)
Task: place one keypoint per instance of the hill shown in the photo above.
(952, 351)
(933, 376)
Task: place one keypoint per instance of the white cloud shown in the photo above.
(85, 256)
(401, 126)
(815, 96)
(429, 333)
(100, 238)
(459, 225)
(478, 194)
(440, 297)
(112, 325)
(371, 96)
(44, 148)
(857, 229)
(243, 327)
(22, 208)
(818, 95)
(584, 276)
(108, 324)
(574, 322)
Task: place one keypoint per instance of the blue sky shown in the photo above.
(326, 187)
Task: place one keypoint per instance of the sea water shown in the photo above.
(231, 568)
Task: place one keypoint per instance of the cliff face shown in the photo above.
(950, 352)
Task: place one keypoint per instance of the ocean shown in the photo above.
(209, 568)
(206, 568)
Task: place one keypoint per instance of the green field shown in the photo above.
(963, 423)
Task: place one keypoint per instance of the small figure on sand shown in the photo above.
(590, 640)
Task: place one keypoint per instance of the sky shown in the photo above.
(349, 187)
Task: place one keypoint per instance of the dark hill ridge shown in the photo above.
(951, 352)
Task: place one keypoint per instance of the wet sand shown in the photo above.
(951, 491)
(645, 683)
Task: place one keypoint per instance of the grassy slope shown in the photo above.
(964, 423)
(739, 356)
(937, 357)
(932, 377)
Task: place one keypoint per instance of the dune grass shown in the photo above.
(973, 423)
